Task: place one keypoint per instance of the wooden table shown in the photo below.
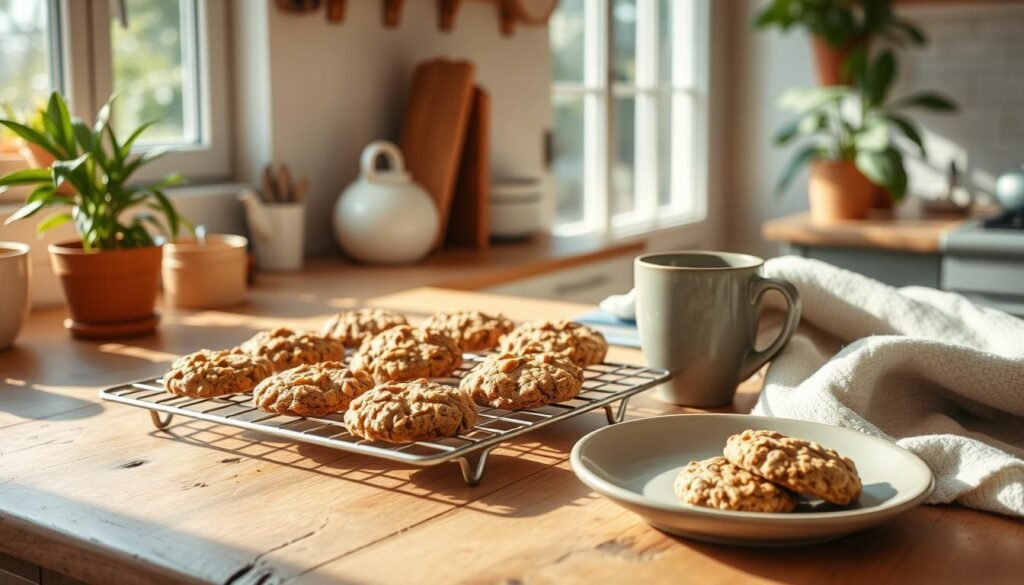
(92, 490)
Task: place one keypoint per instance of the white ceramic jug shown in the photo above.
(384, 216)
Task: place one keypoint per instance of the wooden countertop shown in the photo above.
(91, 489)
(906, 230)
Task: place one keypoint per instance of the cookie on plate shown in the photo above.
(717, 483)
(803, 466)
(528, 381)
(352, 327)
(286, 348)
(583, 345)
(473, 330)
(311, 390)
(207, 373)
(403, 353)
(411, 411)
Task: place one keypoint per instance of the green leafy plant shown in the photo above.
(840, 22)
(858, 124)
(97, 167)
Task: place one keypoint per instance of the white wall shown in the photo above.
(335, 88)
(975, 56)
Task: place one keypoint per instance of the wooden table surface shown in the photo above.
(907, 229)
(92, 490)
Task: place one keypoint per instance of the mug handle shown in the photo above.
(758, 286)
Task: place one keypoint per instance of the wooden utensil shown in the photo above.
(336, 11)
(470, 213)
(434, 129)
(269, 188)
(285, 191)
(301, 188)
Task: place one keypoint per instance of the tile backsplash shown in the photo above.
(975, 55)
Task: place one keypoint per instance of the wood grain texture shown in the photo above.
(469, 219)
(434, 129)
(911, 232)
(91, 490)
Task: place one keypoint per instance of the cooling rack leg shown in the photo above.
(160, 423)
(472, 466)
(616, 415)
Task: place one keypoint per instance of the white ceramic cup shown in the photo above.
(14, 290)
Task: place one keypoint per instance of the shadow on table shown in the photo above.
(512, 462)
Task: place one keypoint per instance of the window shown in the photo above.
(165, 60)
(629, 99)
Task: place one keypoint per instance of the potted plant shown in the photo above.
(838, 28)
(855, 138)
(111, 274)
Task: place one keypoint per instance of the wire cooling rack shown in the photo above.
(604, 385)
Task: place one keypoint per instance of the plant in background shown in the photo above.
(840, 22)
(858, 124)
(98, 168)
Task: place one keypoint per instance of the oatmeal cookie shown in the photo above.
(311, 390)
(411, 411)
(583, 345)
(403, 353)
(803, 466)
(528, 381)
(473, 330)
(286, 348)
(717, 483)
(352, 327)
(207, 373)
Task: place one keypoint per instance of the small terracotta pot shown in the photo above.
(838, 191)
(828, 60)
(207, 276)
(108, 288)
(37, 158)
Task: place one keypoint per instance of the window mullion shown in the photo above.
(597, 163)
(646, 138)
(102, 61)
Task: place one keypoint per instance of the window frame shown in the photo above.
(599, 91)
(81, 47)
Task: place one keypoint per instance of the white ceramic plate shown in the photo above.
(634, 463)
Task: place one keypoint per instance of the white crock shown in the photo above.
(384, 217)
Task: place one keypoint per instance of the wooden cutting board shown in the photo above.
(434, 129)
(469, 220)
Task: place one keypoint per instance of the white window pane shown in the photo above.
(155, 70)
(566, 32)
(26, 58)
(624, 16)
(568, 158)
(683, 183)
(624, 163)
(676, 33)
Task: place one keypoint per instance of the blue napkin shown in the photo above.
(615, 330)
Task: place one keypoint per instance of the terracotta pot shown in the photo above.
(838, 191)
(207, 276)
(828, 60)
(109, 291)
(37, 158)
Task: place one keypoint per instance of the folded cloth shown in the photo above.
(930, 370)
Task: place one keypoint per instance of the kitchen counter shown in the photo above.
(91, 490)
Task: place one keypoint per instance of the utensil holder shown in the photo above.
(278, 233)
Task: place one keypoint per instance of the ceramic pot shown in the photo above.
(828, 60)
(838, 191)
(384, 217)
(516, 208)
(205, 276)
(15, 275)
(109, 293)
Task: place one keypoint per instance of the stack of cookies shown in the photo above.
(390, 390)
(765, 471)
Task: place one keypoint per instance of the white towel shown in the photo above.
(928, 369)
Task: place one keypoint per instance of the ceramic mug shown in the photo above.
(697, 314)
(15, 275)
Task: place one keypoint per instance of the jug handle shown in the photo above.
(391, 152)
